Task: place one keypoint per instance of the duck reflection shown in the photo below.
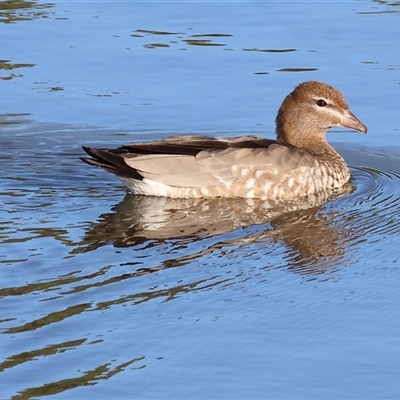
(310, 231)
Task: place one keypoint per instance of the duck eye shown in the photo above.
(321, 103)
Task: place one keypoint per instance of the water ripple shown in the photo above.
(170, 248)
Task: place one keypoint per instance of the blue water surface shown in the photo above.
(107, 296)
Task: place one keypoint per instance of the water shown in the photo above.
(114, 296)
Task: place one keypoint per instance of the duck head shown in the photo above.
(309, 111)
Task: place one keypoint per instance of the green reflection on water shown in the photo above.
(26, 356)
(88, 378)
(271, 50)
(296, 69)
(21, 10)
(202, 42)
(155, 45)
(8, 66)
(212, 35)
(195, 40)
(5, 64)
(51, 318)
(150, 32)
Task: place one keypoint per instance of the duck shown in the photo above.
(298, 163)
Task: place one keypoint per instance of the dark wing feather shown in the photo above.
(193, 144)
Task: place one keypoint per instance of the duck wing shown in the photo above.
(198, 161)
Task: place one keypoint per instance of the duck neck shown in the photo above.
(311, 143)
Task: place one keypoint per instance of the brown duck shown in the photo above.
(299, 163)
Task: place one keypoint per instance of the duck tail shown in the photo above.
(110, 162)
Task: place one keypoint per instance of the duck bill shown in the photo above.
(351, 121)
